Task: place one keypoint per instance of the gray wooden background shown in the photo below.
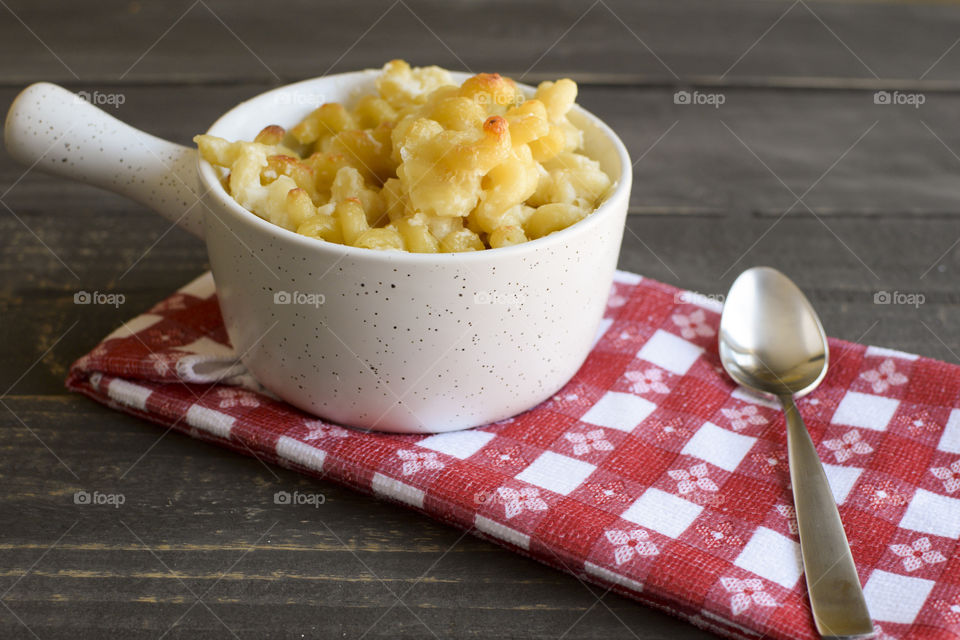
(801, 167)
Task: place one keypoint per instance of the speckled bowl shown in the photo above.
(392, 341)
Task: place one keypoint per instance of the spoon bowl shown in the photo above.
(771, 339)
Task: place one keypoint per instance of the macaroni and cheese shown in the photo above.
(423, 165)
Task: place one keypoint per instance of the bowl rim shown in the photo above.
(620, 192)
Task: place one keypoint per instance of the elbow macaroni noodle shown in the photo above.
(423, 165)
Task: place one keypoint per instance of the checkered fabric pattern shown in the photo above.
(650, 473)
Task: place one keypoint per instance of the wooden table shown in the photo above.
(790, 159)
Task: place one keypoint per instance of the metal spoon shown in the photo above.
(771, 341)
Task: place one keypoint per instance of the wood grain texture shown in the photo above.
(715, 191)
(762, 42)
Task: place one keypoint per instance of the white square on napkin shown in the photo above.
(670, 352)
(883, 352)
(841, 480)
(895, 598)
(459, 444)
(501, 531)
(719, 447)
(950, 440)
(772, 556)
(300, 453)
(556, 472)
(865, 410)
(932, 513)
(620, 411)
(663, 512)
(391, 488)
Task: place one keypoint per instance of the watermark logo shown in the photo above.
(913, 299)
(299, 297)
(899, 98)
(699, 98)
(487, 497)
(97, 297)
(101, 99)
(96, 498)
(498, 297)
(296, 498)
(498, 99)
(299, 98)
(702, 299)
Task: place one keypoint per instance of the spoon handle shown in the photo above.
(836, 598)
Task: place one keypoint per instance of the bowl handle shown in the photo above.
(61, 133)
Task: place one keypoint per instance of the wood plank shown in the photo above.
(778, 43)
(204, 511)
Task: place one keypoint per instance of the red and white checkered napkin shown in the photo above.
(649, 473)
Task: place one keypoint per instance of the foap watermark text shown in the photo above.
(102, 99)
(910, 298)
(299, 297)
(699, 98)
(98, 297)
(298, 498)
(899, 98)
(498, 297)
(96, 498)
(696, 297)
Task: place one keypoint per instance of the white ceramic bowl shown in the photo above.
(392, 341)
